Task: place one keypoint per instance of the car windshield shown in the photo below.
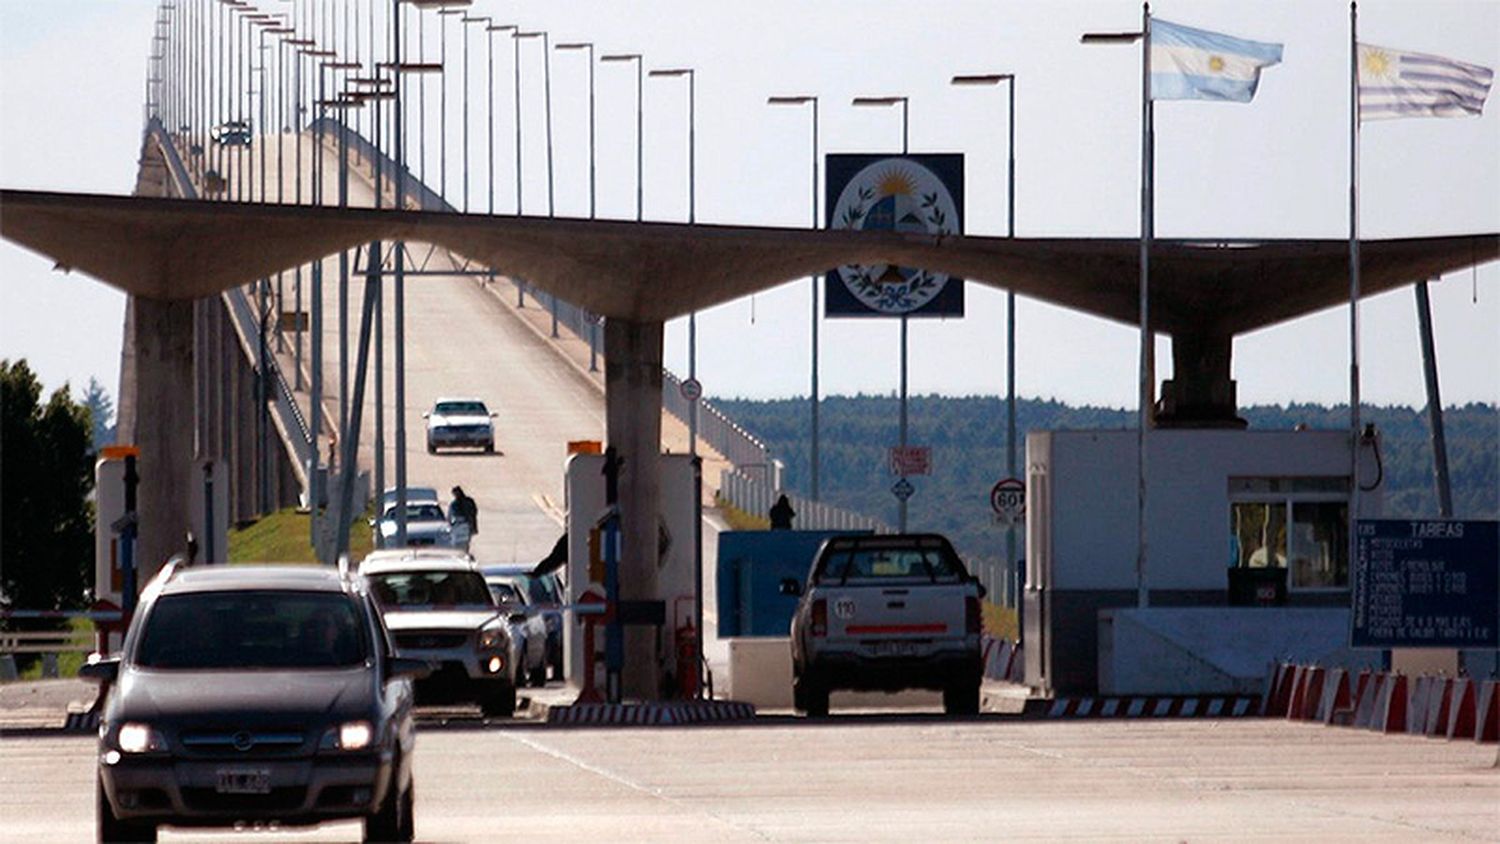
(253, 629)
(409, 589)
(456, 407)
(505, 593)
(921, 564)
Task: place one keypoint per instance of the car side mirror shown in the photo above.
(426, 414)
(100, 669)
(791, 586)
(415, 669)
(493, 414)
(518, 618)
(982, 591)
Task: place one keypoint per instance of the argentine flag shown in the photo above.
(1195, 64)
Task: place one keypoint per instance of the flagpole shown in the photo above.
(1147, 376)
(1354, 433)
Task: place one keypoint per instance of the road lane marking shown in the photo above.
(620, 779)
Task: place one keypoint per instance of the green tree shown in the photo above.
(101, 413)
(46, 475)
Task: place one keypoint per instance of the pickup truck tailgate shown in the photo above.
(896, 612)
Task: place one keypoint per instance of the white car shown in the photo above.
(460, 422)
(426, 525)
(528, 627)
(438, 608)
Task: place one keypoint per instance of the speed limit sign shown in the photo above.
(1008, 500)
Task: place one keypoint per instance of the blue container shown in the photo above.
(752, 564)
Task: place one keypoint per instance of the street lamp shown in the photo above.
(584, 45)
(1147, 351)
(905, 104)
(547, 104)
(990, 79)
(444, 14)
(798, 100)
(639, 158)
(464, 28)
(674, 73)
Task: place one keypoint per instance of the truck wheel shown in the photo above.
(499, 703)
(810, 696)
(113, 829)
(961, 699)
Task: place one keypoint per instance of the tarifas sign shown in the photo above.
(1426, 583)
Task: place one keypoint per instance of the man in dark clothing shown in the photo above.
(782, 514)
(464, 508)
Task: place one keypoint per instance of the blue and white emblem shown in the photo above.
(894, 194)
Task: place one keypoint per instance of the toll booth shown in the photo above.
(1247, 557)
(676, 582)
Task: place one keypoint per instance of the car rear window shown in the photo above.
(412, 589)
(253, 629)
(885, 564)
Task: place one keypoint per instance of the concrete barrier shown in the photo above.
(1312, 693)
(1298, 694)
(1390, 707)
(1439, 706)
(1487, 713)
(1416, 710)
(760, 671)
(1279, 691)
(1461, 721)
(1336, 696)
(1364, 709)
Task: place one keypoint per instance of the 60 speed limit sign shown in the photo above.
(1008, 500)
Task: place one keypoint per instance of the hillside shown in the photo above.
(967, 436)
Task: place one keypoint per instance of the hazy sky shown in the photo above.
(71, 81)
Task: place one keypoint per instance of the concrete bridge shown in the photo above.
(185, 252)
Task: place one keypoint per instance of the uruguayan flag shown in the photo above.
(1393, 83)
(1195, 64)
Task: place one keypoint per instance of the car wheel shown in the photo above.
(538, 677)
(556, 664)
(961, 699)
(489, 447)
(431, 449)
(393, 821)
(810, 696)
(113, 829)
(499, 703)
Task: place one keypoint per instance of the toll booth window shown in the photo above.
(1258, 534)
(1319, 545)
(1308, 538)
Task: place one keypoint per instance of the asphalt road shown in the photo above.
(883, 777)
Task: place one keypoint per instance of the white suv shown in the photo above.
(438, 609)
(460, 422)
(884, 613)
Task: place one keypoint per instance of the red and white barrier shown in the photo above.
(1433, 706)
(1487, 714)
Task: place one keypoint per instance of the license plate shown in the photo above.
(244, 781)
(895, 649)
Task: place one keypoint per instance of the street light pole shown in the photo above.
(464, 28)
(1010, 299)
(584, 45)
(639, 155)
(692, 218)
(905, 104)
(813, 280)
(547, 105)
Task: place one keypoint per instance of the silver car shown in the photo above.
(460, 422)
(528, 627)
(439, 609)
(426, 525)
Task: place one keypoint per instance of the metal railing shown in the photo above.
(237, 305)
(755, 496)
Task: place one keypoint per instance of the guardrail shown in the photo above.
(755, 496)
(247, 324)
(44, 643)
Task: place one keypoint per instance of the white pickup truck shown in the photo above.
(886, 613)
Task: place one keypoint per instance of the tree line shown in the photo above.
(967, 436)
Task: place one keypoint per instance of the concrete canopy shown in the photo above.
(171, 249)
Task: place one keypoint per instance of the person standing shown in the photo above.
(464, 509)
(782, 514)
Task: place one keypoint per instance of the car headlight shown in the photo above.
(350, 735)
(139, 738)
(491, 638)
